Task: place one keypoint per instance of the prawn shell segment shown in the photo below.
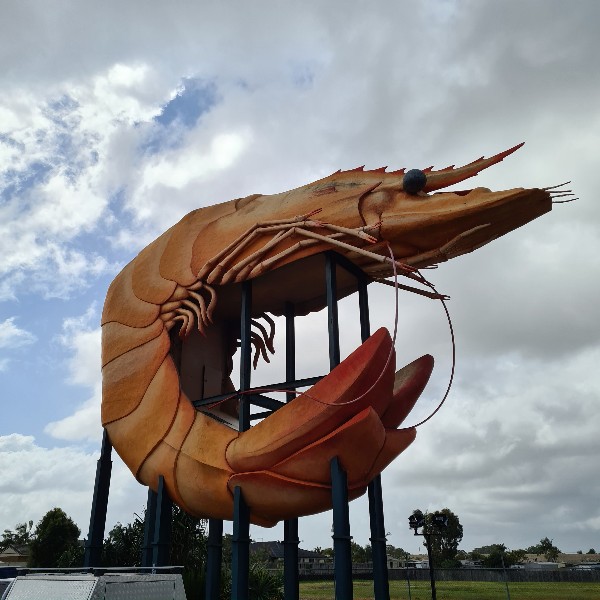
(123, 306)
(258, 210)
(146, 280)
(118, 339)
(124, 383)
(177, 260)
(142, 424)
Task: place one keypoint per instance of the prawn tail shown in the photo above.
(157, 431)
(150, 421)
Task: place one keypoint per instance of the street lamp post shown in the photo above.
(416, 521)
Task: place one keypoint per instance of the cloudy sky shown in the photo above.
(116, 119)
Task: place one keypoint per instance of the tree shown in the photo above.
(188, 540)
(444, 540)
(515, 557)
(123, 545)
(21, 536)
(359, 554)
(545, 547)
(398, 553)
(264, 584)
(494, 556)
(548, 549)
(500, 557)
(54, 535)
(71, 557)
(591, 551)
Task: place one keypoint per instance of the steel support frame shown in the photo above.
(93, 545)
(291, 541)
(214, 557)
(149, 522)
(240, 542)
(163, 522)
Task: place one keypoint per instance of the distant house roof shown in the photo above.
(571, 557)
(18, 550)
(272, 549)
(15, 556)
(275, 550)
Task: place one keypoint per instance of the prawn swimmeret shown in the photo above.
(189, 279)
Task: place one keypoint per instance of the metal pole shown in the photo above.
(339, 481)
(291, 583)
(245, 353)
(93, 546)
(381, 584)
(149, 522)
(290, 346)
(240, 559)
(505, 577)
(240, 549)
(427, 537)
(341, 532)
(332, 310)
(213, 559)
(363, 308)
(378, 542)
(162, 526)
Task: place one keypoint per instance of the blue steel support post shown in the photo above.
(245, 353)
(332, 310)
(363, 308)
(381, 583)
(341, 532)
(213, 559)
(290, 346)
(149, 522)
(162, 526)
(240, 547)
(93, 546)
(291, 584)
(339, 482)
(241, 515)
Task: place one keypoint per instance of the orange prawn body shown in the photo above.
(189, 278)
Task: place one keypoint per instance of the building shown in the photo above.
(272, 554)
(575, 559)
(15, 556)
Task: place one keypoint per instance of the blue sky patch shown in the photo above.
(195, 98)
(18, 181)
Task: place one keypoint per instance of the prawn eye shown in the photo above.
(414, 181)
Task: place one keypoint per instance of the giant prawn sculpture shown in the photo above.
(383, 222)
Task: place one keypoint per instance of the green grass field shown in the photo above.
(460, 590)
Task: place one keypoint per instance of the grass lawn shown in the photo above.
(460, 590)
